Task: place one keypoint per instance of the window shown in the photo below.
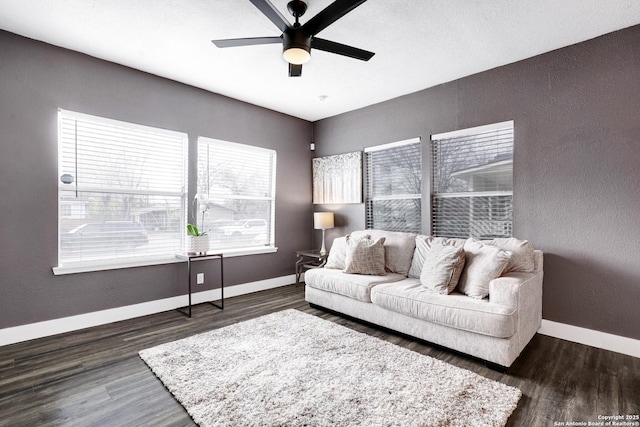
(393, 186)
(237, 183)
(472, 182)
(127, 197)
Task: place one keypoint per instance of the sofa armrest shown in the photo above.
(523, 293)
(506, 290)
(538, 260)
(517, 288)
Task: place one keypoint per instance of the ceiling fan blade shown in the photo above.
(329, 15)
(295, 70)
(272, 13)
(341, 49)
(250, 41)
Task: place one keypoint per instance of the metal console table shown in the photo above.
(190, 257)
(311, 258)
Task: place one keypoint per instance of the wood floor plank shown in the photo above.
(94, 377)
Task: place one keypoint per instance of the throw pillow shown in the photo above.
(398, 248)
(522, 258)
(483, 264)
(442, 268)
(423, 245)
(365, 256)
(337, 254)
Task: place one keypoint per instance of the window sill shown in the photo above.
(85, 267)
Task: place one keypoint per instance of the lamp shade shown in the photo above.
(323, 220)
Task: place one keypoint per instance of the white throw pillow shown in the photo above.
(365, 256)
(423, 245)
(522, 258)
(442, 268)
(483, 264)
(337, 254)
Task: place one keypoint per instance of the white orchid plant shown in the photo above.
(201, 206)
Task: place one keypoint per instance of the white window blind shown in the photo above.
(127, 198)
(238, 183)
(472, 182)
(393, 186)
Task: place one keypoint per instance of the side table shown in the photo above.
(190, 257)
(307, 259)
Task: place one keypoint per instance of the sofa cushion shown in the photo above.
(365, 256)
(442, 267)
(522, 258)
(357, 286)
(458, 311)
(337, 253)
(398, 248)
(423, 245)
(483, 264)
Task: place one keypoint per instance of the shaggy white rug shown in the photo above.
(293, 369)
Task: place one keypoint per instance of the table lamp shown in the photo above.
(323, 221)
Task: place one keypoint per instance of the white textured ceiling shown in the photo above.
(418, 44)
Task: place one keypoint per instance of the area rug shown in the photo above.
(294, 369)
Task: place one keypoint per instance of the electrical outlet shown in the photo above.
(200, 278)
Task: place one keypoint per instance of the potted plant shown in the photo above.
(198, 240)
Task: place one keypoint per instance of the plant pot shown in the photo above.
(197, 244)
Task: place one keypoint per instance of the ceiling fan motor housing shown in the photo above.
(295, 38)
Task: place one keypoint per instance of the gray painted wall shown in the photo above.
(576, 166)
(35, 80)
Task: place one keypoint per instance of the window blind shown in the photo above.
(238, 184)
(127, 198)
(393, 186)
(472, 182)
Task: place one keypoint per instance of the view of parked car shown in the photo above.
(219, 223)
(96, 237)
(246, 229)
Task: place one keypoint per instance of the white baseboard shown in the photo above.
(73, 323)
(616, 343)
(603, 340)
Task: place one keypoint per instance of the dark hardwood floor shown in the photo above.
(94, 377)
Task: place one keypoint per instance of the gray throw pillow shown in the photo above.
(398, 248)
(365, 256)
(483, 264)
(442, 268)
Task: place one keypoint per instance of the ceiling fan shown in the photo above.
(297, 40)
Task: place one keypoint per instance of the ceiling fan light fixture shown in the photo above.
(296, 55)
(296, 46)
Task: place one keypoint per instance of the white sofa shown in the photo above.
(495, 329)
